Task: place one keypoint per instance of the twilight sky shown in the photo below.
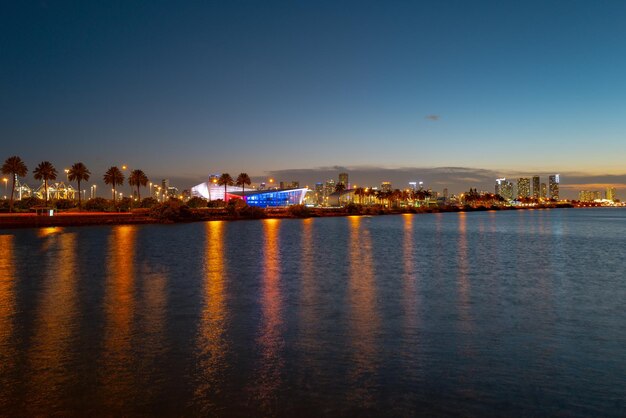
(402, 88)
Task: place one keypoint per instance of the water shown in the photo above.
(490, 313)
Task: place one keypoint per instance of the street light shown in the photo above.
(67, 174)
(6, 181)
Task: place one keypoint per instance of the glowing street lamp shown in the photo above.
(67, 174)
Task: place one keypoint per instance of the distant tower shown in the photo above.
(536, 187)
(544, 191)
(523, 187)
(553, 184)
(343, 179)
(385, 186)
(445, 194)
(610, 194)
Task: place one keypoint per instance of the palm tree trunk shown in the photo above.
(80, 203)
(12, 194)
(138, 193)
(45, 189)
(225, 197)
(114, 193)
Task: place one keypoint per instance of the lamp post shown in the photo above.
(67, 174)
(6, 181)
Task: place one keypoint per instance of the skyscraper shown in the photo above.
(536, 187)
(553, 184)
(610, 194)
(504, 188)
(544, 191)
(385, 186)
(343, 179)
(523, 187)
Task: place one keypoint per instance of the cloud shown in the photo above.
(433, 118)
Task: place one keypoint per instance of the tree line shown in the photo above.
(45, 171)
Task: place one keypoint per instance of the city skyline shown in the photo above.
(175, 89)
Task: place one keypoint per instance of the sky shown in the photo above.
(408, 90)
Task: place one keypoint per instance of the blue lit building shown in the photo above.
(273, 198)
(259, 198)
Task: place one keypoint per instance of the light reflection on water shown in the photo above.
(117, 374)
(444, 314)
(55, 327)
(212, 345)
(8, 340)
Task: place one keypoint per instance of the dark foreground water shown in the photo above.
(492, 313)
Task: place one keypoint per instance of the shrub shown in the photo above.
(219, 203)
(299, 211)
(64, 204)
(98, 204)
(197, 202)
(124, 204)
(171, 211)
(149, 202)
(28, 202)
(252, 212)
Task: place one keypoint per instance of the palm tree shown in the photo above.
(339, 188)
(360, 192)
(114, 177)
(15, 167)
(45, 171)
(242, 180)
(225, 180)
(78, 173)
(138, 178)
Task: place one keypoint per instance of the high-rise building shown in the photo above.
(553, 184)
(343, 179)
(536, 187)
(413, 185)
(544, 191)
(504, 188)
(445, 194)
(610, 194)
(523, 187)
(329, 187)
(385, 186)
(589, 195)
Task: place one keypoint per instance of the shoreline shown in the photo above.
(66, 219)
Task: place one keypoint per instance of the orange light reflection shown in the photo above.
(211, 343)
(364, 321)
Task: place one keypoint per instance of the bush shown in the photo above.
(98, 204)
(64, 204)
(149, 202)
(171, 211)
(252, 212)
(353, 209)
(124, 204)
(197, 202)
(28, 202)
(219, 203)
(299, 211)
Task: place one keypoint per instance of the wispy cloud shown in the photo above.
(433, 118)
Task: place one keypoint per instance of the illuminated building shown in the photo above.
(523, 187)
(553, 184)
(261, 198)
(536, 187)
(504, 188)
(544, 191)
(589, 195)
(329, 187)
(385, 186)
(610, 194)
(445, 194)
(343, 179)
(413, 185)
